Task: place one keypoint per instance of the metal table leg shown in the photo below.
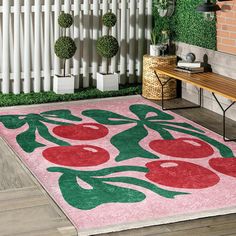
(175, 108)
(224, 118)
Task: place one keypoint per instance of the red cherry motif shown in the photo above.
(86, 131)
(180, 174)
(225, 166)
(182, 147)
(77, 156)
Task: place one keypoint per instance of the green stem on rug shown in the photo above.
(131, 148)
(103, 172)
(85, 190)
(142, 183)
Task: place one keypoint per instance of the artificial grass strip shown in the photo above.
(81, 94)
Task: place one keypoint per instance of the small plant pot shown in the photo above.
(108, 82)
(63, 84)
(162, 12)
(155, 50)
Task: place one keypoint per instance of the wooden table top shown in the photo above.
(210, 81)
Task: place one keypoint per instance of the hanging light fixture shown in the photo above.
(209, 8)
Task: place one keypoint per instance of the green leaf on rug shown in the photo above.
(37, 123)
(127, 143)
(86, 190)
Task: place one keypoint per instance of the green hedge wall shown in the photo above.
(187, 25)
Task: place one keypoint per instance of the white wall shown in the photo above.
(221, 63)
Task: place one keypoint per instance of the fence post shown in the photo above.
(95, 38)
(114, 34)
(132, 40)
(76, 60)
(6, 48)
(47, 72)
(140, 37)
(16, 70)
(104, 32)
(27, 57)
(86, 46)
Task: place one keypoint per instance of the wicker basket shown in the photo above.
(151, 86)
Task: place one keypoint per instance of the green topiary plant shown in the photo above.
(108, 46)
(65, 47)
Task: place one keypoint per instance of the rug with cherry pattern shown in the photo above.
(123, 163)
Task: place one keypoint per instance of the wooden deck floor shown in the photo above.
(26, 210)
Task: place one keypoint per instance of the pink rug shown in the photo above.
(116, 164)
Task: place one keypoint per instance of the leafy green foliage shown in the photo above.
(65, 20)
(46, 97)
(107, 46)
(187, 25)
(109, 19)
(65, 47)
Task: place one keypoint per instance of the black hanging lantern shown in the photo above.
(208, 8)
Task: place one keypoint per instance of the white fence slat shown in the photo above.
(6, 49)
(16, 69)
(37, 54)
(27, 58)
(141, 33)
(57, 9)
(123, 44)
(76, 60)
(86, 46)
(47, 72)
(67, 6)
(95, 37)
(104, 32)
(67, 9)
(149, 22)
(114, 34)
(132, 40)
(1, 43)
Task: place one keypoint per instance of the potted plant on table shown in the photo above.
(155, 47)
(65, 49)
(107, 46)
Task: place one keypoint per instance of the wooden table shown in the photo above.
(214, 83)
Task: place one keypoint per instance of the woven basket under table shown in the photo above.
(151, 86)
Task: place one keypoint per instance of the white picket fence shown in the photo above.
(28, 30)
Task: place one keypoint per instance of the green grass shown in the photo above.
(81, 94)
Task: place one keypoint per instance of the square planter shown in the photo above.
(63, 85)
(108, 82)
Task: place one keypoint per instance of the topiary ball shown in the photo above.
(65, 20)
(65, 47)
(107, 46)
(109, 19)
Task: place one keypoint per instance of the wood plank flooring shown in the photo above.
(26, 210)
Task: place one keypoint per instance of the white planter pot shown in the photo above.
(63, 85)
(108, 82)
(155, 50)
